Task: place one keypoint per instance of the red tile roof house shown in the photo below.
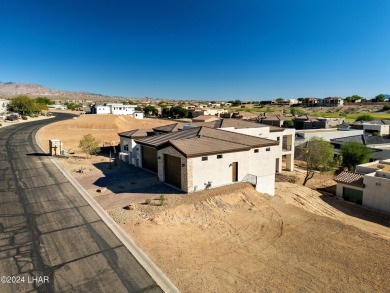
(198, 156)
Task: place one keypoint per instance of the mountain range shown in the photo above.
(11, 89)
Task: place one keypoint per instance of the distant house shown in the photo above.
(231, 150)
(380, 127)
(369, 185)
(310, 122)
(274, 120)
(57, 107)
(138, 114)
(3, 106)
(380, 146)
(310, 102)
(331, 102)
(113, 108)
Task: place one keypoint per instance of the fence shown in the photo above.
(252, 179)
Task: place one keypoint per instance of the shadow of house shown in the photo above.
(357, 211)
(126, 178)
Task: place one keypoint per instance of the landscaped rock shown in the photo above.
(102, 190)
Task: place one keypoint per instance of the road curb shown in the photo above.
(161, 279)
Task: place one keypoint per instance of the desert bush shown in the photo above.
(89, 145)
(162, 199)
(386, 108)
(24, 117)
(148, 201)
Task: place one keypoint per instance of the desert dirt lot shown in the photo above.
(233, 239)
(104, 127)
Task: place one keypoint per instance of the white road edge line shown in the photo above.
(161, 279)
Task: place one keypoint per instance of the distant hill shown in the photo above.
(11, 89)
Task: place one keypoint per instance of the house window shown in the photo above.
(256, 150)
(125, 146)
(267, 149)
(219, 156)
(278, 138)
(205, 158)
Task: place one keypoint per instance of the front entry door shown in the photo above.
(235, 171)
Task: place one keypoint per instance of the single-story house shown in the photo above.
(369, 185)
(201, 157)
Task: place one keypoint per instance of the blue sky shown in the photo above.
(250, 50)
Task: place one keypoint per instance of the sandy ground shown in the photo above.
(234, 239)
(104, 127)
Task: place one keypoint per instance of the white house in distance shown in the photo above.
(196, 156)
(115, 109)
(57, 107)
(3, 106)
(138, 114)
(369, 185)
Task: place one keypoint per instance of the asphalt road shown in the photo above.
(49, 231)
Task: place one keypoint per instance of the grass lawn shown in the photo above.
(352, 117)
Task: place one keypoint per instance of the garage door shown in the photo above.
(353, 195)
(149, 158)
(172, 170)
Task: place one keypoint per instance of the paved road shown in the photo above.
(48, 229)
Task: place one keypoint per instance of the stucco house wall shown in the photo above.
(103, 109)
(122, 109)
(219, 171)
(340, 186)
(382, 130)
(130, 143)
(376, 193)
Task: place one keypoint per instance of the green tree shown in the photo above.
(294, 111)
(23, 105)
(300, 99)
(166, 112)
(279, 100)
(138, 108)
(150, 110)
(353, 98)
(180, 111)
(380, 98)
(365, 117)
(318, 155)
(386, 108)
(235, 102)
(288, 124)
(89, 145)
(44, 101)
(354, 153)
(73, 106)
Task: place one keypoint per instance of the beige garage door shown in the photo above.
(173, 170)
(149, 158)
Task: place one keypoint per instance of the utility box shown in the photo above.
(55, 147)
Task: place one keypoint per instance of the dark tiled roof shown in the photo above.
(351, 178)
(137, 133)
(203, 140)
(362, 139)
(169, 128)
(158, 140)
